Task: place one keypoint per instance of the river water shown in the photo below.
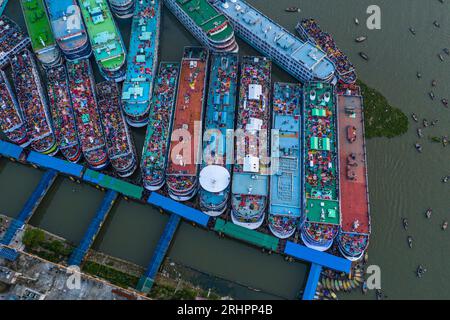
(402, 182)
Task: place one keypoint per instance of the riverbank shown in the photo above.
(169, 283)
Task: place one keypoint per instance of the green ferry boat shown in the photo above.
(40, 32)
(106, 40)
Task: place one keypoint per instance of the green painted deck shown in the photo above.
(103, 33)
(123, 187)
(206, 17)
(251, 236)
(326, 211)
(38, 24)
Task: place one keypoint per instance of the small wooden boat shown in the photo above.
(446, 51)
(433, 83)
(418, 75)
(405, 223)
(364, 287)
(425, 123)
(356, 21)
(444, 141)
(444, 102)
(431, 95)
(418, 147)
(410, 242)
(440, 57)
(434, 122)
(428, 213)
(364, 56)
(444, 225)
(436, 24)
(412, 30)
(361, 39)
(419, 133)
(445, 179)
(414, 116)
(420, 271)
(292, 9)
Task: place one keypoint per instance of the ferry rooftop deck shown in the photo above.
(276, 40)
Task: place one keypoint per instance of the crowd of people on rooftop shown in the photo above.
(353, 244)
(61, 107)
(89, 127)
(283, 225)
(248, 208)
(319, 232)
(32, 101)
(10, 37)
(11, 121)
(154, 157)
(118, 139)
(345, 68)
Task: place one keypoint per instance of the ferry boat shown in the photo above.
(33, 103)
(68, 28)
(142, 62)
(353, 237)
(120, 145)
(89, 127)
(106, 40)
(301, 59)
(12, 40)
(309, 30)
(40, 32)
(157, 139)
(3, 4)
(250, 183)
(209, 26)
(12, 122)
(62, 113)
(322, 218)
(215, 177)
(286, 187)
(123, 9)
(185, 147)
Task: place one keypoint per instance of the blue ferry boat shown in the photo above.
(157, 138)
(122, 9)
(68, 28)
(301, 59)
(215, 177)
(142, 62)
(250, 183)
(286, 180)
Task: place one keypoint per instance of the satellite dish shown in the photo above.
(214, 178)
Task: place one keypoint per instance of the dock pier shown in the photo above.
(28, 210)
(146, 282)
(80, 252)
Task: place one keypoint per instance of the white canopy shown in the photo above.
(215, 178)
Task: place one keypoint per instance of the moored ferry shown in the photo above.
(185, 147)
(3, 4)
(250, 182)
(287, 160)
(322, 218)
(33, 103)
(106, 40)
(68, 28)
(209, 26)
(62, 113)
(309, 30)
(40, 32)
(120, 145)
(301, 59)
(123, 9)
(12, 40)
(157, 139)
(142, 62)
(12, 122)
(89, 127)
(353, 237)
(215, 177)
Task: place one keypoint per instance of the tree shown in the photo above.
(33, 238)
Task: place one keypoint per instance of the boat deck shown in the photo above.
(188, 116)
(354, 197)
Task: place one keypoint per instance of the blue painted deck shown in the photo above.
(59, 165)
(316, 257)
(147, 280)
(10, 150)
(79, 253)
(30, 206)
(313, 280)
(182, 210)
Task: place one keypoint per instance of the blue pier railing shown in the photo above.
(146, 282)
(313, 280)
(30, 206)
(80, 252)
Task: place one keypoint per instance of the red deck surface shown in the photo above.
(188, 113)
(354, 199)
